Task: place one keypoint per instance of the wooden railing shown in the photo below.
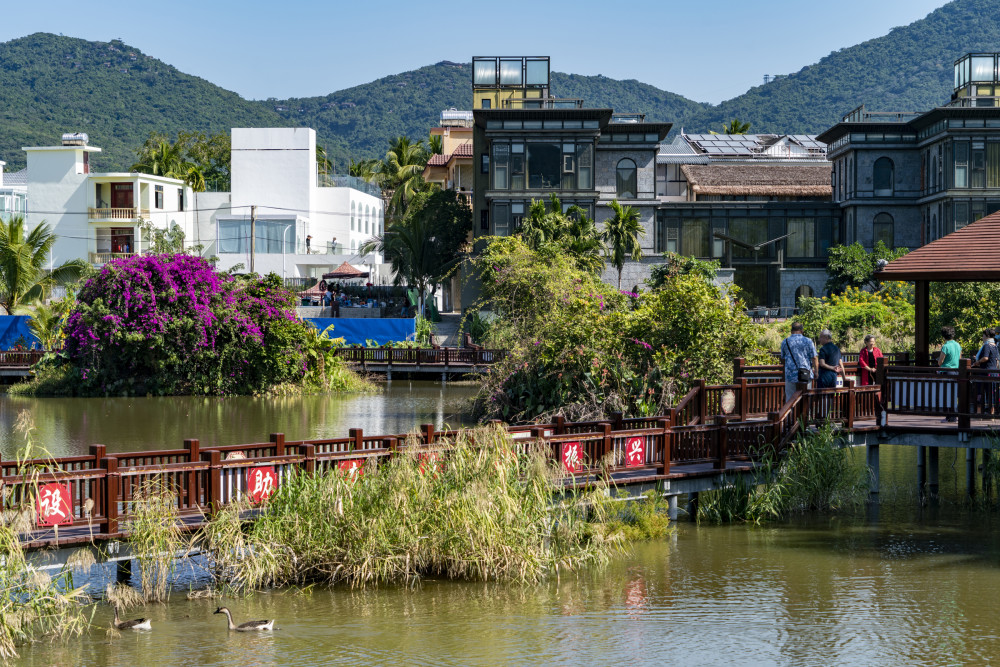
(130, 214)
(20, 358)
(412, 356)
(711, 427)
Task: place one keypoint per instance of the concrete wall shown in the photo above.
(607, 165)
(56, 187)
(274, 169)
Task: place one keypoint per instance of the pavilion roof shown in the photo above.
(970, 254)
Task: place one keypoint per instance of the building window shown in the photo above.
(803, 291)
(961, 164)
(517, 166)
(484, 220)
(487, 103)
(626, 181)
(484, 163)
(86, 162)
(695, 239)
(180, 199)
(977, 172)
(544, 165)
(934, 174)
(801, 237)
(882, 230)
(352, 216)
(882, 177)
(501, 158)
(157, 195)
(501, 219)
(367, 217)
(270, 236)
(585, 166)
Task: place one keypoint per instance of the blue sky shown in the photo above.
(706, 50)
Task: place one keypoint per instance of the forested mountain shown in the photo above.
(51, 84)
(910, 69)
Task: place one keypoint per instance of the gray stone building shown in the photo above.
(908, 178)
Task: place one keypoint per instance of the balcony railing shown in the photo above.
(105, 257)
(541, 103)
(116, 213)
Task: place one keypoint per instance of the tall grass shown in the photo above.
(155, 536)
(818, 473)
(489, 511)
(33, 604)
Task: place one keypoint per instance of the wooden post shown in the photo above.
(921, 301)
(852, 404)
(560, 424)
(616, 421)
(427, 432)
(111, 492)
(664, 425)
(97, 451)
(744, 401)
(279, 443)
(702, 401)
(964, 400)
(309, 451)
(607, 447)
(739, 366)
(723, 440)
(192, 445)
(214, 494)
(357, 438)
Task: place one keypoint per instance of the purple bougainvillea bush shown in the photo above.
(172, 324)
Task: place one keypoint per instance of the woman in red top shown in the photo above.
(868, 361)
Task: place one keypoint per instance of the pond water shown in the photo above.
(911, 586)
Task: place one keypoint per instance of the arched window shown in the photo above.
(882, 230)
(625, 179)
(934, 226)
(934, 174)
(803, 291)
(368, 216)
(352, 216)
(883, 177)
(381, 221)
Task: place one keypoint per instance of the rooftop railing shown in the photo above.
(341, 181)
(541, 103)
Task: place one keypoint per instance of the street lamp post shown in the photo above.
(283, 253)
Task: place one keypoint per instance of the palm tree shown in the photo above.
(401, 176)
(323, 165)
(23, 263)
(408, 246)
(47, 322)
(572, 231)
(621, 234)
(736, 127)
(435, 144)
(161, 158)
(367, 170)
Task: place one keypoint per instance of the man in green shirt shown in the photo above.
(951, 351)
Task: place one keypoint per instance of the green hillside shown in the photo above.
(910, 69)
(51, 84)
(358, 122)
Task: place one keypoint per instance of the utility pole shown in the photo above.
(253, 234)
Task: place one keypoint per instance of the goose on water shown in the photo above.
(249, 626)
(134, 624)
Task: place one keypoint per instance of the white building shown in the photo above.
(13, 192)
(275, 180)
(96, 216)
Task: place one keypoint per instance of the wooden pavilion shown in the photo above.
(971, 254)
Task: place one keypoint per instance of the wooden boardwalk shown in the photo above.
(713, 434)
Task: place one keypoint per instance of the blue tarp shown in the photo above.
(357, 330)
(13, 327)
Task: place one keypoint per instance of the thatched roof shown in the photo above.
(764, 179)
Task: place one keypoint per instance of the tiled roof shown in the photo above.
(964, 255)
(774, 180)
(464, 150)
(15, 177)
(438, 160)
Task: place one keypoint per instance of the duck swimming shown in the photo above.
(249, 626)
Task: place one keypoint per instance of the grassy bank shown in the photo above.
(817, 474)
(487, 511)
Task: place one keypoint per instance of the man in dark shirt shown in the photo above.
(829, 360)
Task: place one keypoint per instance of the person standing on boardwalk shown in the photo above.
(798, 355)
(829, 361)
(951, 352)
(868, 361)
(988, 357)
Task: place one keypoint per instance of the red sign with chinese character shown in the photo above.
(430, 460)
(635, 452)
(262, 482)
(352, 468)
(572, 456)
(55, 505)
